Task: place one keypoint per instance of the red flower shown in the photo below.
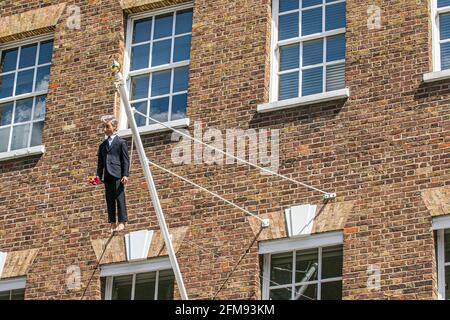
(94, 180)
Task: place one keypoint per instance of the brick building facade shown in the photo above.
(360, 103)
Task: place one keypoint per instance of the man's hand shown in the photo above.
(124, 180)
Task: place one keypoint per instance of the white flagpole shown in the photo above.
(120, 85)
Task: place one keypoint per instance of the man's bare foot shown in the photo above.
(113, 227)
(120, 227)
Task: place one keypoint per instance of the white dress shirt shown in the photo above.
(111, 138)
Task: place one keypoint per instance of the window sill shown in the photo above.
(302, 242)
(12, 284)
(436, 76)
(301, 101)
(125, 268)
(153, 128)
(20, 153)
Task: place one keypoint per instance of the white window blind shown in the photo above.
(24, 78)
(159, 49)
(310, 47)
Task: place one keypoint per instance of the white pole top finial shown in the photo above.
(115, 67)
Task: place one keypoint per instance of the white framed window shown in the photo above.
(308, 47)
(157, 63)
(12, 289)
(443, 263)
(441, 34)
(311, 272)
(24, 78)
(145, 280)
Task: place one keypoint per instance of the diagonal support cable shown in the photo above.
(327, 195)
(264, 222)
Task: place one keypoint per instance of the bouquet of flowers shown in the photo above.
(93, 180)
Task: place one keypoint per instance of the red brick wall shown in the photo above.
(44, 200)
(380, 148)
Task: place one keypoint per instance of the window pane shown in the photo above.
(6, 113)
(23, 110)
(42, 78)
(306, 292)
(309, 3)
(159, 109)
(121, 289)
(307, 263)
(145, 286)
(166, 285)
(182, 49)
(45, 52)
(445, 55)
(161, 83)
(179, 103)
(142, 30)
(163, 26)
(281, 269)
(331, 291)
(24, 82)
(288, 27)
(140, 56)
(181, 78)
(161, 52)
(336, 47)
(18, 294)
(280, 294)
(28, 56)
(141, 107)
(289, 57)
(287, 5)
(139, 87)
(443, 3)
(312, 81)
(332, 262)
(184, 21)
(9, 60)
(4, 138)
(20, 136)
(36, 134)
(39, 108)
(5, 295)
(313, 52)
(288, 86)
(447, 245)
(6, 85)
(444, 26)
(336, 77)
(335, 16)
(311, 21)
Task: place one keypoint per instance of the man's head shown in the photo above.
(110, 124)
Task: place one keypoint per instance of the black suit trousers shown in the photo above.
(115, 194)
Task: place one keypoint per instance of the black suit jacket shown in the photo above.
(114, 159)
